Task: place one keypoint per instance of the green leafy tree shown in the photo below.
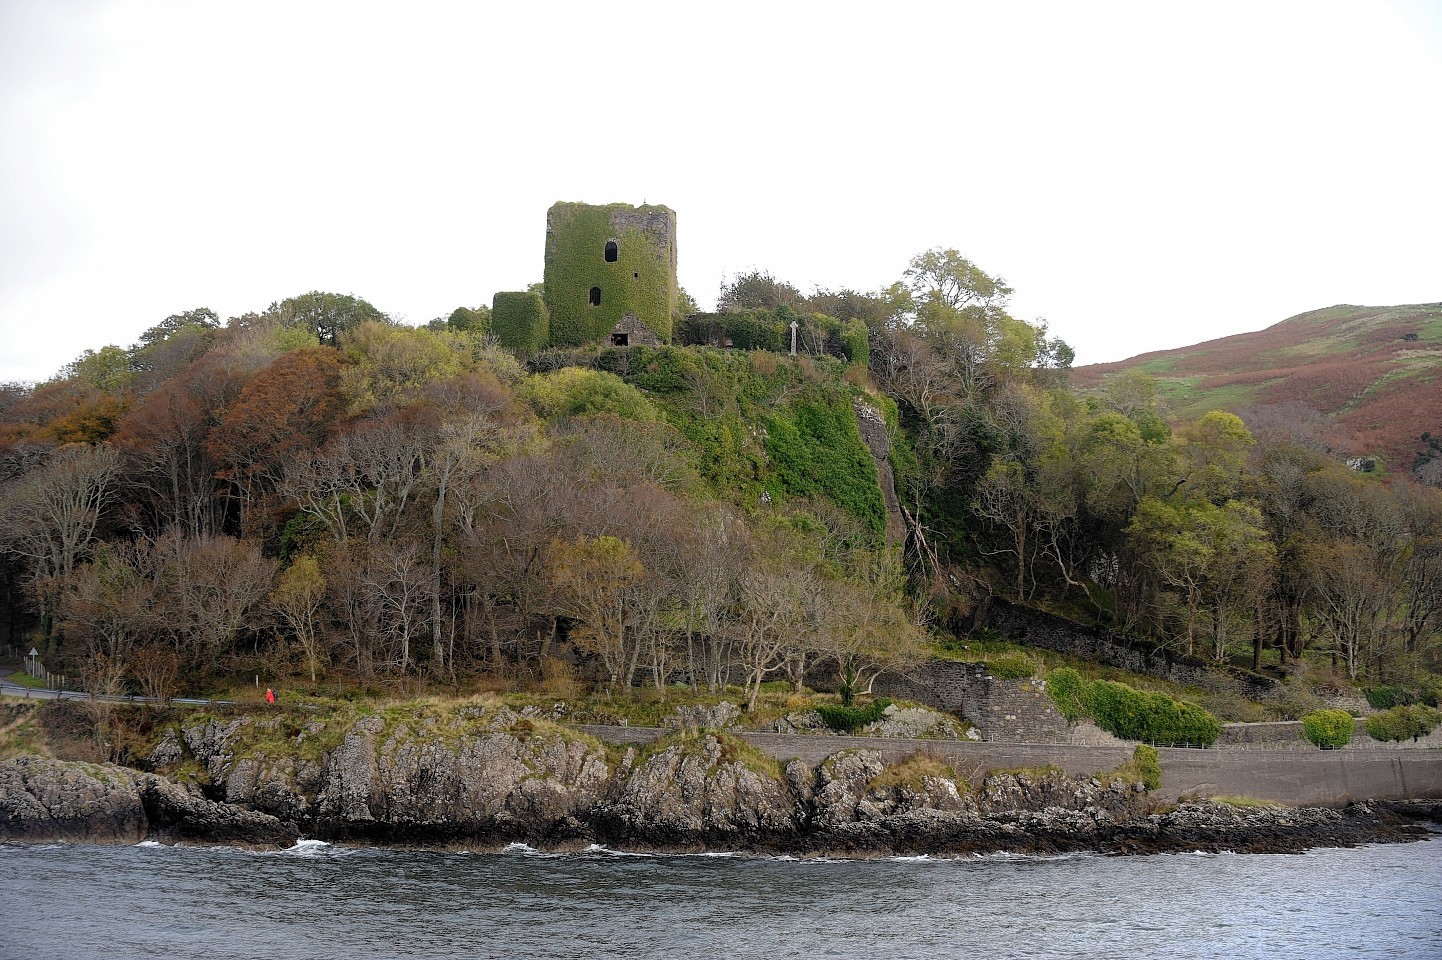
(327, 315)
(470, 319)
(297, 597)
(1213, 452)
(1219, 558)
(594, 583)
(756, 290)
(201, 318)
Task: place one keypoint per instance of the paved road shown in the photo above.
(9, 689)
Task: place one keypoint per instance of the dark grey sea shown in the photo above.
(59, 902)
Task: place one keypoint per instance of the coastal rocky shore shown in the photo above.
(483, 778)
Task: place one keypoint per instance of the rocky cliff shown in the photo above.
(483, 777)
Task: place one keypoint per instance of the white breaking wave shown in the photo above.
(307, 848)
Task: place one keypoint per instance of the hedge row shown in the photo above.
(1132, 714)
(771, 330)
(1385, 698)
(1403, 723)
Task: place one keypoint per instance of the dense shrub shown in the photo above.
(1148, 716)
(1012, 666)
(1145, 766)
(1385, 698)
(855, 342)
(848, 719)
(1329, 729)
(579, 392)
(1132, 714)
(815, 448)
(520, 322)
(1293, 700)
(1067, 689)
(1403, 723)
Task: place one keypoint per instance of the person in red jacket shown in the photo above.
(269, 695)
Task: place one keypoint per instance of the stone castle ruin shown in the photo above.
(610, 277)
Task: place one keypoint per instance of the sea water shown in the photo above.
(321, 901)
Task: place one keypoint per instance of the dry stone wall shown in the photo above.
(1015, 711)
(1039, 629)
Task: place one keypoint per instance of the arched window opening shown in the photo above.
(595, 296)
(611, 251)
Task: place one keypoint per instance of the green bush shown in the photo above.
(579, 392)
(1385, 698)
(1149, 765)
(1145, 766)
(1012, 666)
(520, 322)
(1329, 729)
(815, 447)
(1132, 714)
(848, 719)
(1403, 723)
(855, 342)
(1067, 689)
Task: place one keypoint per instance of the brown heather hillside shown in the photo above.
(1373, 373)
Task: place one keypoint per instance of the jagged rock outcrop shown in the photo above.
(45, 800)
(702, 793)
(470, 775)
(723, 716)
(486, 776)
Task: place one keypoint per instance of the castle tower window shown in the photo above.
(611, 251)
(620, 339)
(595, 296)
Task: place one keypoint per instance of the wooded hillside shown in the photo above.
(316, 489)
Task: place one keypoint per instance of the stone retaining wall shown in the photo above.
(1290, 733)
(1314, 777)
(1254, 734)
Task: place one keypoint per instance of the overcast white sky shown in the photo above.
(1146, 175)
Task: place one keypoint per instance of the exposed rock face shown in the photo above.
(46, 800)
(487, 777)
(699, 794)
(51, 800)
(423, 780)
(872, 425)
(723, 716)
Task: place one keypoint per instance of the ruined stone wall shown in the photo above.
(1014, 711)
(1039, 629)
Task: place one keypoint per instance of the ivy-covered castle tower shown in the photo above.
(610, 276)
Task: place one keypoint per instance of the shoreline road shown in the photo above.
(10, 689)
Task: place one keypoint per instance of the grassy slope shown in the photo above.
(1350, 363)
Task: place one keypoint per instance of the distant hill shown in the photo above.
(1374, 374)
